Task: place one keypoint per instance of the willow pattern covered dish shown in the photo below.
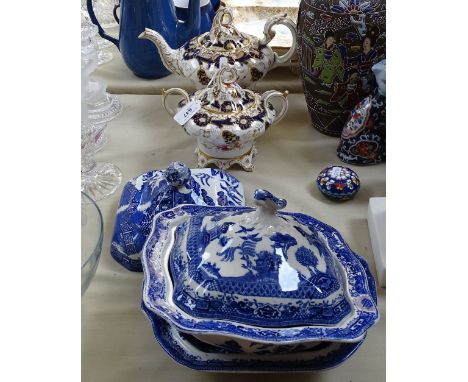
(228, 120)
(255, 274)
(159, 190)
(200, 58)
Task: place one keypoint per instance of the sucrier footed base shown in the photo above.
(245, 161)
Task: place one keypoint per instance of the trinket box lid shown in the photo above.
(255, 273)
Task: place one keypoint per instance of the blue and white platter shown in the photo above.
(159, 190)
(188, 351)
(255, 275)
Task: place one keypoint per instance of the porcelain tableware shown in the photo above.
(192, 353)
(200, 58)
(159, 190)
(229, 119)
(256, 274)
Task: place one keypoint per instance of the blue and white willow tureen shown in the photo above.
(255, 281)
(159, 190)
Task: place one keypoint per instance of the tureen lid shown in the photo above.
(155, 191)
(224, 95)
(257, 267)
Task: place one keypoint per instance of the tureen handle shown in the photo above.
(268, 202)
(270, 33)
(165, 93)
(282, 96)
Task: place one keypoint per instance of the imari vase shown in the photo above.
(338, 42)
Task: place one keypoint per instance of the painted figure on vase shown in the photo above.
(348, 92)
(328, 62)
(338, 43)
(368, 57)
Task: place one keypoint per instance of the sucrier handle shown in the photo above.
(165, 93)
(270, 33)
(102, 33)
(268, 202)
(282, 96)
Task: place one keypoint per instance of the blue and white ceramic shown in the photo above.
(255, 274)
(195, 354)
(148, 194)
(338, 183)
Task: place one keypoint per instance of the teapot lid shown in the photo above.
(258, 267)
(224, 95)
(224, 36)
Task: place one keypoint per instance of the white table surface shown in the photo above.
(117, 340)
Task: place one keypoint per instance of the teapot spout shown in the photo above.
(169, 56)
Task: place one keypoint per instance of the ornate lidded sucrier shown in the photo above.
(199, 59)
(228, 119)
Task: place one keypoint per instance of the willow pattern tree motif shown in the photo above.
(305, 257)
(284, 242)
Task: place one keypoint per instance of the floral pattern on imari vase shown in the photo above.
(338, 41)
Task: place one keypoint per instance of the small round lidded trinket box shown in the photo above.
(338, 183)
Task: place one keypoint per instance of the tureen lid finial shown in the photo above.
(266, 200)
(177, 174)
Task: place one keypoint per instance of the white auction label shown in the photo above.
(187, 112)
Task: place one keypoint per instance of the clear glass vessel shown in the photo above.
(92, 229)
(98, 179)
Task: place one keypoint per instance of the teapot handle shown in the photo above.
(102, 33)
(165, 93)
(282, 96)
(269, 34)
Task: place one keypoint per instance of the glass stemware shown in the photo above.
(91, 239)
(101, 45)
(102, 106)
(98, 179)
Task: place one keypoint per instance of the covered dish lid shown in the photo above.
(257, 267)
(155, 191)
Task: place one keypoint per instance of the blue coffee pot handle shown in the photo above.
(114, 11)
(102, 32)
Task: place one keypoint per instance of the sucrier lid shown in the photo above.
(257, 266)
(224, 95)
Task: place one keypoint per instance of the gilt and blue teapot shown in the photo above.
(201, 57)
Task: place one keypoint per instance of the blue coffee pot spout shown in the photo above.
(141, 56)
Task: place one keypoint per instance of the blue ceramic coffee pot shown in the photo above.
(141, 56)
(207, 13)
